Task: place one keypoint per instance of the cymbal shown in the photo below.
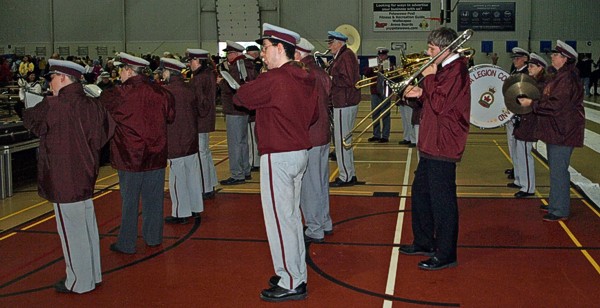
(519, 77)
(517, 90)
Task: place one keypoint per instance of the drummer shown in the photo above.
(524, 134)
(561, 123)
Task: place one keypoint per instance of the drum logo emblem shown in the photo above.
(487, 98)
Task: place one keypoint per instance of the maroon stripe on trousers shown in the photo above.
(342, 146)
(64, 232)
(174, 187)
(277, 222)
(527, 167)
(201, 173)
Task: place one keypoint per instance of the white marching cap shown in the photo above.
(172, 64)
(128, 59)
(305, 45)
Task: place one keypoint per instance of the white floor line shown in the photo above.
(391, 281)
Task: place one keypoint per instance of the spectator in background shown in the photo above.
(104, 81)
(5, 75)
(595, 77)
(585, 72)
(26, 66)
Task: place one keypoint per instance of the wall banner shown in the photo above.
(401, 16)
(488, 16)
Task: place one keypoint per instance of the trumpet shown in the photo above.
(365, 82)
(400, 87)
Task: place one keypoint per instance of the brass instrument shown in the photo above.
(318, 54)
(400, 87)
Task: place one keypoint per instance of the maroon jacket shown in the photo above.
(344, 73)
(72, 129)
(446, 110)
(205, 85)
(525, 130)
(141, 110)
(560, 113)
(227, 92)
(320, 131)
(285, 100)
(182, 134)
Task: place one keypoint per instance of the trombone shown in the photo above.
(399, 87)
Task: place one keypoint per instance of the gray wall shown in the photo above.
(154, 26)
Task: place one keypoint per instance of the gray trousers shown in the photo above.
(280, 184)
(237, 146)
(407, 127)
(78, 231)
(314, 196)
(524, 166)
(343, 120)
(184, 186)
(559, 158)
(208, 173)
(149, 185)
(510, 139)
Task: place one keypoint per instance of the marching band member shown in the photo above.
(314, 196)
(519, 57)
(379, 92)
(236, 71)
(285, 100)
(204, 79)
(72, 128)
(253, 53)
(446, 96)
(561, 125)
(138, 150)
(345, 97)
(524, 134)
(182, 136)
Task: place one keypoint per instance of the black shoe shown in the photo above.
(404, 142)
(255, 169)
(509, 171)
(176, 220)
(374, 139)
(208, 195)
(279, 294)
(412, 250)
(248, 177)
(434, 264)
(61, 288)
(513, 185)
(384, 140)
(522, 194)
(196, 214)
(552, 217)
(340, 183)
(544, 208)
(412, 145)
(232, 181)
(328, 232)
(332, 156)
(274, 281)
(113, 247)
(308, 239)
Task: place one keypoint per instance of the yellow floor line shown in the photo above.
(23, 210)
(46, 219)
(583, 251)
(562, 224)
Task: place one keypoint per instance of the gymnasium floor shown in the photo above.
(507, 255)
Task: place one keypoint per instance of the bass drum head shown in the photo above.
(488, 109)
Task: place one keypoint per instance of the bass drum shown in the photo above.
(488, 109)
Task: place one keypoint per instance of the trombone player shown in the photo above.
(345, 97)
(446, 95)
(379, 92)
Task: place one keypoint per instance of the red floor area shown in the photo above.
(507, 257)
